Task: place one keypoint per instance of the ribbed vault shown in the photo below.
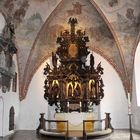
(113, 29)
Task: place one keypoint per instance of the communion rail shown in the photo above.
(89, 133)
(54, 132)
(88, 128)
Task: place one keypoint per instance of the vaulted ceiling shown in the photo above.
(112, 25)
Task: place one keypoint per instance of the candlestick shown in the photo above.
(130, 115)
(129, 100)
(129, 104)
(130, 127)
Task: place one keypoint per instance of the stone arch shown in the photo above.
(11, 118)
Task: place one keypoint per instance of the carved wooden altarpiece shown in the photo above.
(70, 83)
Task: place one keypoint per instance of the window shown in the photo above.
(11, 118)
(137, 73)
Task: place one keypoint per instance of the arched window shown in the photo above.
(137, 73)
(11, 118)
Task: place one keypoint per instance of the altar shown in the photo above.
(75, 121)
(73, 87)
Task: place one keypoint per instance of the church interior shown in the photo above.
(69, 69)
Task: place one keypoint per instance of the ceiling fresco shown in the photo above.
(112, 26)
(124, 17)
(28, 18)
(28, 29)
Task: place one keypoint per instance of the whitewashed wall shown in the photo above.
(8, 99)
(135, 111)
(136, 92)
(114, 100)
(2, 23)
(137, 74)
(34, 103)
(1, 116)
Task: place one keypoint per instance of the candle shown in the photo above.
(68, 104)
(80, 104)
(129, 101)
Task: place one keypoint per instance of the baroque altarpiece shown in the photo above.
(70, 83)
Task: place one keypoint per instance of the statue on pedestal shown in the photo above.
(77, 91)
(70, 92)
(92, 61)
(54, 60)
